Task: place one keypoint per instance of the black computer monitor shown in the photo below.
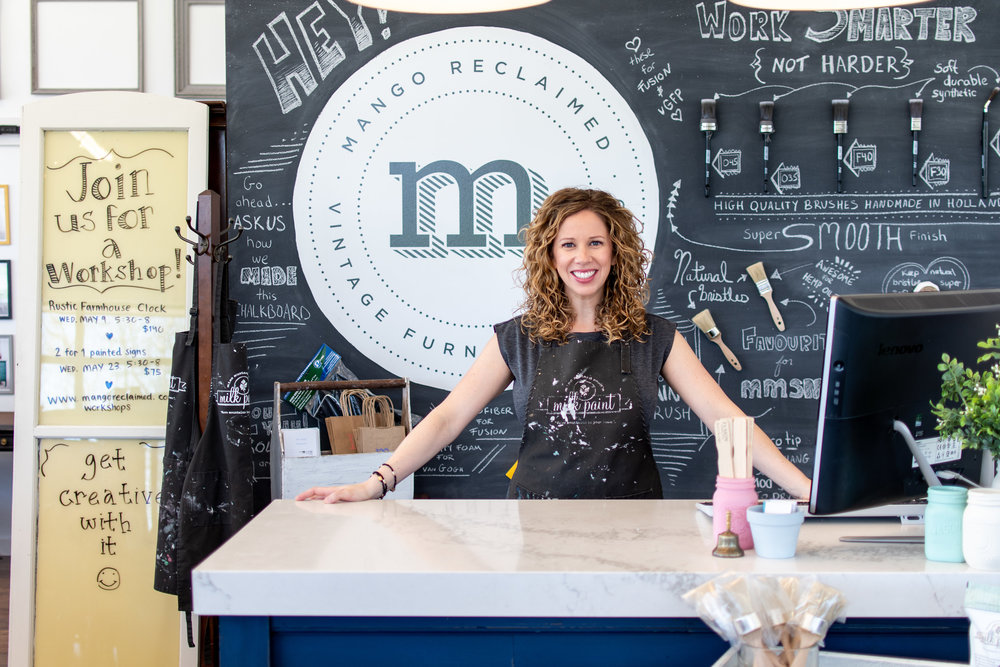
(880, 374)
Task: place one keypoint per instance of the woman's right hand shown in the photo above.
(367, 490)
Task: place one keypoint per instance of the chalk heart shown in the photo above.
(676, 115)
(108, 383)
(109, 335)
(633, 44)
(946, 272)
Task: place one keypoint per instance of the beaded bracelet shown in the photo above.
(393, 471)
(381, 480)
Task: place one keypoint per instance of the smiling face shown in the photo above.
(582, 255)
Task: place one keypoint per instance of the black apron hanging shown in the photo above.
(183, 433)
(207, 482)
(585, 435)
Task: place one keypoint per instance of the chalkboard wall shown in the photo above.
(381, 163)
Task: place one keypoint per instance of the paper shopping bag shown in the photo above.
(378, 432)
(341, 429)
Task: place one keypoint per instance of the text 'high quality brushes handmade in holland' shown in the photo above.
(708, 126)
(839, 130)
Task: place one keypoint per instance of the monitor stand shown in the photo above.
(929, 476)
(922, 462)
(884, 539)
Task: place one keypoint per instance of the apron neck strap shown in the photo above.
(626, 358)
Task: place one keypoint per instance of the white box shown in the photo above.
(300, 442)
(299, 474)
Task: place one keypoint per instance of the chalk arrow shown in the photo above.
(786, 177)
(672, 204)
(996, 76)
(785, 302)
(935, 171)
(728, 162)
(781, 275)
(812, 85)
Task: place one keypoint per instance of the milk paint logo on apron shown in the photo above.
(421, 170)
(236, 393)
(586, 396)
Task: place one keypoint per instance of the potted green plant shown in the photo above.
(969, 409)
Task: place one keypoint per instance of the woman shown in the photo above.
(584, 357)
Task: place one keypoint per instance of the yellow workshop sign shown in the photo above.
(98, 504)
(113, 285)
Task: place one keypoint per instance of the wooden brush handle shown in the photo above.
(775, 315)
(727, 353)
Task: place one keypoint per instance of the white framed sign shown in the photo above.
(106, 55)
(103, 288)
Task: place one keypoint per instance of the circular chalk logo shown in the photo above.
(422, 168)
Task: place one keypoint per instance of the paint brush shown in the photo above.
(704, 321)
(916, 109)
(986, 142)
(724, 446)
(708, 126)
(740, 446)
(839, 130)
(766, 130)
(759, 276)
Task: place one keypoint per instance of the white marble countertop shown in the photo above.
(542, 558)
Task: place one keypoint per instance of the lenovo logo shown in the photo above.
(884, 350)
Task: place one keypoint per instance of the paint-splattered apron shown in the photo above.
(207, 494)
(585, 435)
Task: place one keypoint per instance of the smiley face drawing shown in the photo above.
(108, 579)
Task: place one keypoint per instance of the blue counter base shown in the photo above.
(254, 641)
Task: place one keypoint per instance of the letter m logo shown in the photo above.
(476, 196)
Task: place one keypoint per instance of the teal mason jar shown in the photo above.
(943, 523)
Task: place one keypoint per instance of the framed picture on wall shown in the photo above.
(6, 364)
(4, 215)
(106, 56)
(5, 289)
(200, 49)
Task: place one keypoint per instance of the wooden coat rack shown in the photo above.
(209, 248)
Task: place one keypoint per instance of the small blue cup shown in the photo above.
(774, 535)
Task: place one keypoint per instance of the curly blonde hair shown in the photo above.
(547, 314)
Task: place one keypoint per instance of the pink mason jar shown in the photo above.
(734, 495)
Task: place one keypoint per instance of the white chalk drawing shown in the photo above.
(936, 171)
(861, 158)
(274, 158)
(677, 434)
(948, 273)
(306, 54)
(786, 177)
(827, 277)
(812, 311)
(728, 162)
